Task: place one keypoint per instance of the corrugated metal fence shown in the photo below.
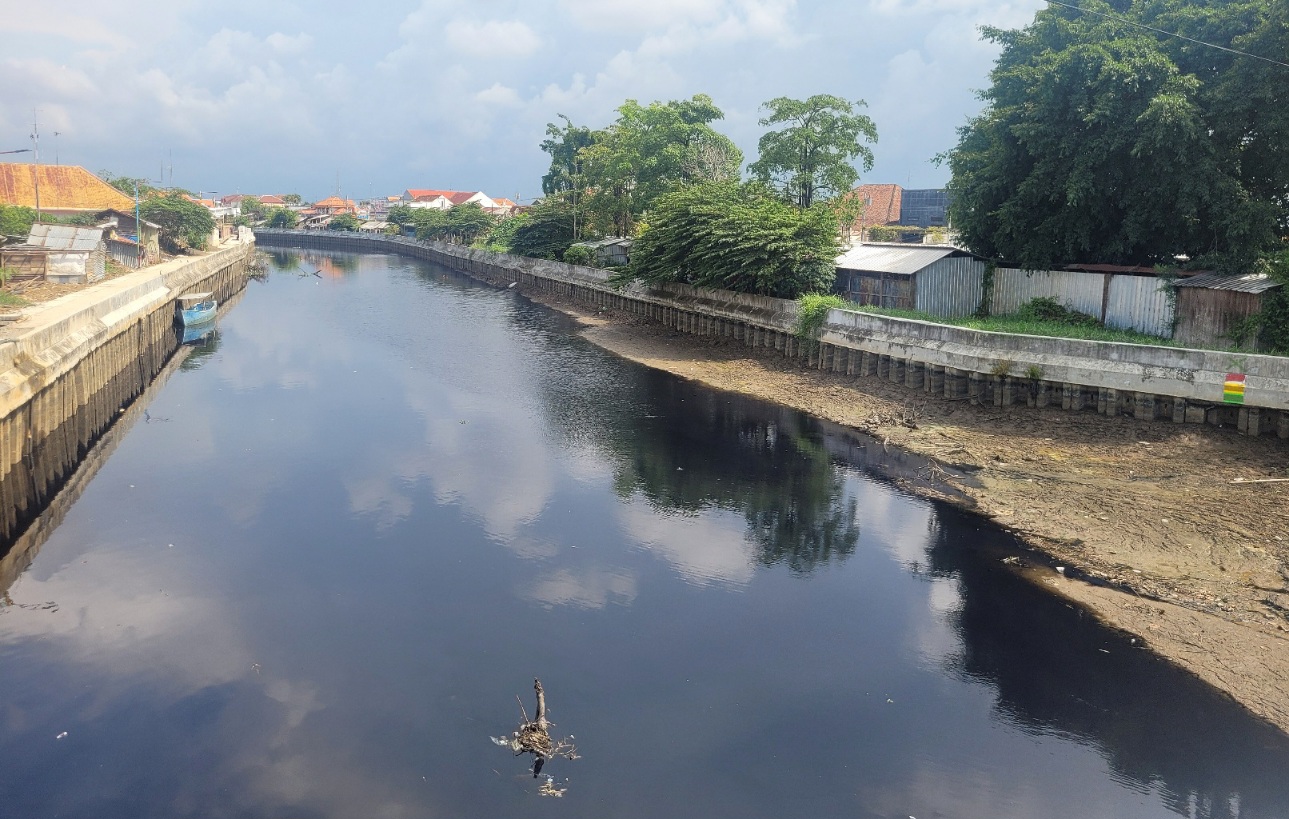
(1139, 303)
(1078, 291)
(950, 287)
(1122, 301)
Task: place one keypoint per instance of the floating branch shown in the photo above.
(533, 736)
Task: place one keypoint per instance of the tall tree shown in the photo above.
(649, 150)
(811, 157)
(184, 224)
(565, 144)
(1103, 141)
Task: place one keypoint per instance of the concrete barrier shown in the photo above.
(1002, 369)
(69, 367)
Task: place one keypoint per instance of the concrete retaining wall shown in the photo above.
(1146, 382)
(69, 366)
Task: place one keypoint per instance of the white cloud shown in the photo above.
(499, 95)
(496, 40)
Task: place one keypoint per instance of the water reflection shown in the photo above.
(1057, 672)
(315, 589)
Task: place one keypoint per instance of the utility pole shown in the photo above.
(56, 133)
(35, 168)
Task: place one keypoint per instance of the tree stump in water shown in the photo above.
(533, 736)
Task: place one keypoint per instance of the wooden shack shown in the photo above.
(60, 253)
(1212, 306)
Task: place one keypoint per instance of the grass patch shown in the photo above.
(1031, 322)
(10, 300)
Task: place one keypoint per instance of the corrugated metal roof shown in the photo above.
(62, 187)
(65, 237)
(892, 258)
(1248, 283)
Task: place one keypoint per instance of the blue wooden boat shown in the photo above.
(195, 308)
(198, 333)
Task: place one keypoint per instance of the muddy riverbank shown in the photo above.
(1183, 550)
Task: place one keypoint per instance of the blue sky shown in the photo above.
(281, 96)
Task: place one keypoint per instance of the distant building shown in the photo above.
(610, 252)
(63, 190)
(891, 206)
(334, 206)
(133, 244)
(444, 199)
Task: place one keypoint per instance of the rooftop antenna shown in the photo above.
(56, 133)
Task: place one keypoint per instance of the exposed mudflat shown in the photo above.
(1194, 565)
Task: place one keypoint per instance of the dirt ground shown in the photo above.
(1193, 564)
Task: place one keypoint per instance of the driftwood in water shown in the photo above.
(533, 736)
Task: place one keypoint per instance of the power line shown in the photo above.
(1119, 19)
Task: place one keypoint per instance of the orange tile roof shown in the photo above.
(62, 187)
(883, 204)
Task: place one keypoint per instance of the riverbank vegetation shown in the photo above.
(1105, 140)
(661, 173)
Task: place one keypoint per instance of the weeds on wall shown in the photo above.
(812, 312)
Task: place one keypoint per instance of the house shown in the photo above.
(611, 251)
(133, 244)
(942, 281)
(424, 197)
(503, 207)
(1212, 306)
(62, 190)
(334, 206)
(62, 254)
(881, 206)
(893, 206)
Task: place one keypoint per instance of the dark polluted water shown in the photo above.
(360, 519)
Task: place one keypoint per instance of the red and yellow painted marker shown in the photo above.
(1233, 389)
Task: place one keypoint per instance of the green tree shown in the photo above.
(293, 198)
(344, 221)
(739, 237)
(281, 218)
(502, 236)
(1105, 142)
(810, 158)
(402, 214)
(547, 232)
(16, 220)
(648, 151)
(565, 144)
(127, 184)
(184, 224)
(253, 208)
(469, 223)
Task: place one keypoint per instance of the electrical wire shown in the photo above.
(1125, 20)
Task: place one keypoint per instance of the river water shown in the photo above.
(354, 526)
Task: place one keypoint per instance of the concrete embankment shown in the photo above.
(69, 366)
(998, 369)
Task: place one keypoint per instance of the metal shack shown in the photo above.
(940, 280)
(71, 255)
(1211, 306)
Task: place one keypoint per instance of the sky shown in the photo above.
(281, 96)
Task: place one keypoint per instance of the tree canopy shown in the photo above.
(344, 221)
(647, 151)
(739, 237)
(184, 224)
(546, 232)
(281, 218)
(565, 144)
(461, 225)
(811, 157)
(1106, 142)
